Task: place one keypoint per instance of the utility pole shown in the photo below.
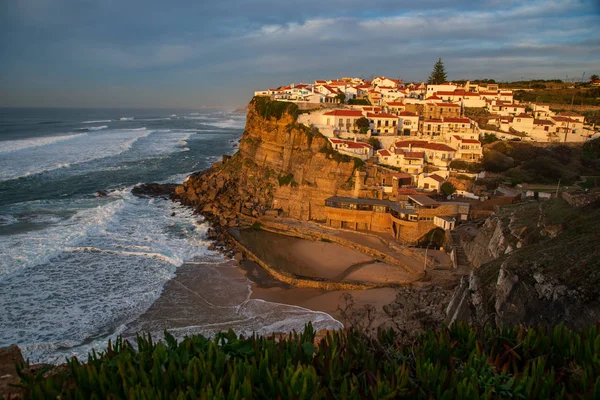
(582, 76)
(557, 186)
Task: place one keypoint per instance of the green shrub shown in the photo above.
(359, 102)
(267, 108)
(472, 167)
(489, 138)
(447, 188)
(495, 161)
(285, 179)
(459, 362)
(255, 226)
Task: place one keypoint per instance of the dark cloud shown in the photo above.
(221, 51)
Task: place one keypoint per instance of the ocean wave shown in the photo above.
(228, 123)
(93, 128)
(97, 122)
(7, 219)
(126, 118)
(97, 128)
(75, 283)
(105, 143)
(21, 144)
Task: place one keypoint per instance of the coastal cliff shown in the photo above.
(536, 263)
(281, 166)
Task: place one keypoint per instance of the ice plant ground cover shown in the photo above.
(449, 363)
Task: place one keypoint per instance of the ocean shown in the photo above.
(81, 257)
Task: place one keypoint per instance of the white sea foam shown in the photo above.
(21, 144)
(126, 119)
(81, 148)
(97, 128)
(7, 219)
(97, 122)
(87, 275)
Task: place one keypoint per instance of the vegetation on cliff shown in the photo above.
(522, 162)
(449, 363)
(268, 109)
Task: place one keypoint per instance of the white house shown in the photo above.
(383, 123)
(352, 148)
(444, 87)
(341, 120)
(467, 149)
(411, 162)
(408, 123)
(383, 81)
(431, 182)
(438, 154)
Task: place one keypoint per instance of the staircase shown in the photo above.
(462, 262)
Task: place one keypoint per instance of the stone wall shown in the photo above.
(580, 199)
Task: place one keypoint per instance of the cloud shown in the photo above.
(242, 46)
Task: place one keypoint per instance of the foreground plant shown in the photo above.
(450, 363)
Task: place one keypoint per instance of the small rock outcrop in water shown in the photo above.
(545, 267)
(154, 190)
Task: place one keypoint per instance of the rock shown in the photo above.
(101, 193)
(154, 190)
(9, 356)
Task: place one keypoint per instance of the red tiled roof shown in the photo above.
(381, 115)
(384, 153)
(564, 119)
(344, 113)
(438, 146)
(523, 115)
(434, 97)
(407, 143)
(414, 154)
(542, 122)
(351, 144)
(407, 114)
(436, 178)
(357, 145)
(446, 93)
(473, 141)
(395, 103)
(423, 145)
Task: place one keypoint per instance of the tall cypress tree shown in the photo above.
(438, 75)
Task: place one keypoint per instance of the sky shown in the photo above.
(188, 54)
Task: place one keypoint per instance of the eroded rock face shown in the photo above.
(280, 165)
(9, 380)
(552, 277)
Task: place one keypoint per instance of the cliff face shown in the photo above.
(280, 165)
(545, 267)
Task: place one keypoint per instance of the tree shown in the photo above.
(489, 138)
(438, 75)
(341, 97)
(375, 143)
(447, 188)
(363, 122)
(593, 77)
